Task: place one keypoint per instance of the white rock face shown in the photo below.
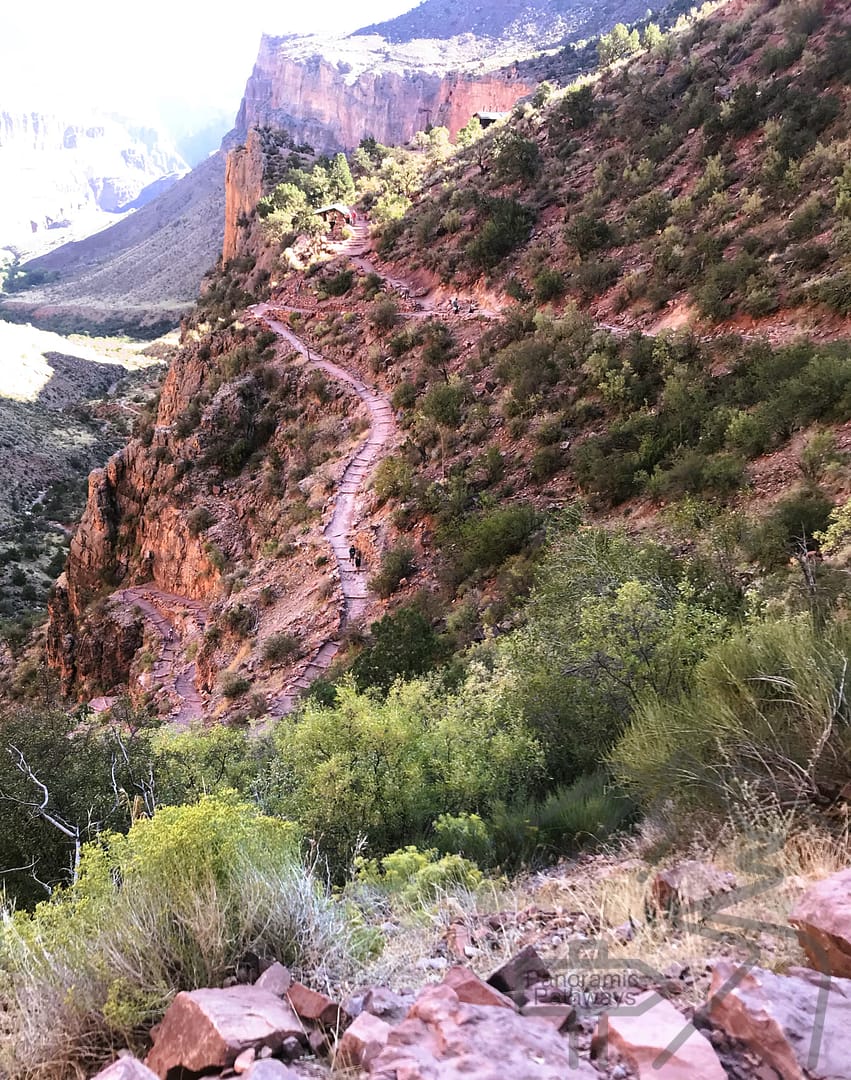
(58, 169)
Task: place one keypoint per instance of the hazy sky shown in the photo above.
(122, 57)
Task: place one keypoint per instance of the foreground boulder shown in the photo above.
(822, 918)
(446, 1038)
(656, 1041)
(362, 1042)
(270, 1070)
(689, 884)
(800, 1023)
(522, 971)
(126, 1068)
(311, 1005)
(209, 1029)
(276, 979)
(474, 991)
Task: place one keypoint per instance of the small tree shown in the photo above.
(341, 186)
(617, 45)
(471, 132)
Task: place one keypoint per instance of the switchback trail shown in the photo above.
(174, 619)
(340, 529)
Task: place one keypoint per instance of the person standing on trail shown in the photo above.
(352, 552)
(357, 559)
(455, 304)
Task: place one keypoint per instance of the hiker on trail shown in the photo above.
(455, 304)
(352, 552)
(357, 559)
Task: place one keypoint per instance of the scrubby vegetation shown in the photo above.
(708, 165)
(612, 567)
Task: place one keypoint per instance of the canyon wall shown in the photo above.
(134, 530)
(332, 106)
(55, 168)
(243, 189)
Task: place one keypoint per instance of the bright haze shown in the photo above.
(168, 60)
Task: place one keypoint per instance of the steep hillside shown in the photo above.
(513, 400)
(59, 169)
(703, 181)
(537, 25)
(430, 568)
(330, 93)
(139, 275)
(65, 406)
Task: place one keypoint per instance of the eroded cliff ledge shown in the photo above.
(333, 92)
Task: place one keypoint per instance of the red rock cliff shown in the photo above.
(243, 189)
(333, 105)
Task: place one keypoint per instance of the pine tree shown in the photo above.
(341, 184)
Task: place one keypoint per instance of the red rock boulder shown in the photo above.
(822, 918)
(126, 1068)
(656, 1041)
(799, 1024)
(446, 1038)
(311, 1005)
(474, 991)
(362, 1042)
(689, 884)
(209, 1029)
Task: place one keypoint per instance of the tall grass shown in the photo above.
(172, 906)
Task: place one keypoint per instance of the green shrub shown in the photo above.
(240, 619)
(834, 292)
(393, 479)
(384, 769)
(464, 834)
(280, 647)
(405, 395)
(413, 876)
(340, 283)
(802, 514)
(549, 285)
(588, 233)
(546, 462)
(482, 542)
(574, 816)
(594, 276)
(401, 646)
(397, 563)
(749, 433)
(507, 225)
(233, 685)
(444, 401)
(174, 905)
(384, 314)
(608, 620)
(199, 520)
(764, 726)
(515, 158)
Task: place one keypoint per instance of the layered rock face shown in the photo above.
(243, 189)
(333, 93)
(131, 530)
(55, 167)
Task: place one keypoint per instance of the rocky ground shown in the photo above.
(535, 1018)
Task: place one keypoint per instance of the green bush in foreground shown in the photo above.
(171, 906)
(767, 723)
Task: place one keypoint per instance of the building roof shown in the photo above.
(341, 208)
(491, 115)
